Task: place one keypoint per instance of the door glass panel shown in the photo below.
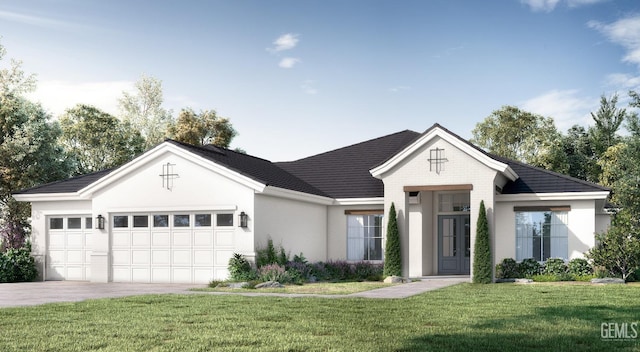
(448, 237)
(74, 223)
(121, 221)
(224, 219)
(161, 221)
(88, 223)
(140, 221)
(56, 223)
(203, 220)
(467, 237)
(181, 220)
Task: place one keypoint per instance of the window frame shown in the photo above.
(368, 218)
(552, 234)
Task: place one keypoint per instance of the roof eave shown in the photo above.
(47, 197)
(552, 196)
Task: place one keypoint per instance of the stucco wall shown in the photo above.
(297, 225)
(581, 226)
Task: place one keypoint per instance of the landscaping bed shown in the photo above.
(320, 288)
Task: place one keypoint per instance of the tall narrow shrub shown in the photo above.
(482, 268)
(392, 256)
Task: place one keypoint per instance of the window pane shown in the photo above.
(181, 220)
(88, 223)
(364, 237)
(161, 221)
(224, 219)
(74, 223)
(203, 220)
(140, 221)
(541, 235)
(56, 224)
(121, 221)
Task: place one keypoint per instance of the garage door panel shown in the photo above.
(181, 239)
(160, 239)
(75, 256)
(75, 240)
(203, 257)
(224, 239)
(181, 257)
(55, 272)
(221, 273)
(121, 274)
(121, 257)
(160, 257)
(140, 274)
(75, 272)
(56, 240)
(140, 239)
(57, 257)
(222, 257)
(161, 274)
(202, 274)
(140, 257)
(121, 239)
(203, 238)
(182, 275)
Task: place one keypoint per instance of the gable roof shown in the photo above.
(344, 172)
(347, 172)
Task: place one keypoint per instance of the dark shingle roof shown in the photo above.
(344, 172)
(258, 169)
(67, 186)
(537, 180)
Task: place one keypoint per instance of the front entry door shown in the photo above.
(454, 244)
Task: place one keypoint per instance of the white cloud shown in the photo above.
(308, 87)
(566, 107)
(38, 21)
(550, 5)
(285, 42)
(624, 32)
(397, 89)
(288, 62)
(57, 96)
(623, 81)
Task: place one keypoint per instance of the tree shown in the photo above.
(574, 155)
(203, 128)
(96, 140)
(608, 120)
(516, 134)
(482, 267)
(392, 253)
(618, 250)
(143, 111)
(14, 82)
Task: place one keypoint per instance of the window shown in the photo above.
(88, 222)
(140, 221)
(224, 219)
(161, 221)
(74, 223)
(541, 235)
(203, 220)
(454, 202)
(121, 221)
(364, 237)
(56, 224)
(181, 220)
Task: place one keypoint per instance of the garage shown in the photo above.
(171, 247)
(68, 247)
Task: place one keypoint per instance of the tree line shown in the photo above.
(36, 148)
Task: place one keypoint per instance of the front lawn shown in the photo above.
(467, 317)
(319, 288)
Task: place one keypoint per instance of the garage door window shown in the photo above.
(120, 221)
(181, 220)
(203, 220)
(161, 221)
(88, 222)
(140, 221)
(56, 223)
(74, 223)
(224, 219)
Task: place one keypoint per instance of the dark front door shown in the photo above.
(454, 244)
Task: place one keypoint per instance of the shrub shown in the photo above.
(274, 272)
(392, 252)
(271, 255)
(579, 267)
(17, 265)
(338, 270)
(298, 272)
(554, 266)
(363, 271)
(216, 283)
(240, 268)
(507, 269)
(529, 267)
(319, 272)
(482, 267)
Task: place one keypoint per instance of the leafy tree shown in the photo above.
(574, 155)
(392, 253)
(608, 120)
(96, 140)
(203, 128)
(621, 172)
(143, 111)
(482, 267)
(618, 250)
(516, 134)
(13, 80)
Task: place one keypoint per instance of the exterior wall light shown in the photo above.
(100, 222)
(244, 219)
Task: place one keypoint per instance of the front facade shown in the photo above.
(178, 212)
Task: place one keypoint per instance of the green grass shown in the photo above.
(320, 288)
(467, 317)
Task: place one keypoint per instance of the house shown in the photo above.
(178, 212)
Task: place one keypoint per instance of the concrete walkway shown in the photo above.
(34, 293)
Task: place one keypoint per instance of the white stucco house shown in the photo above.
(178, 212)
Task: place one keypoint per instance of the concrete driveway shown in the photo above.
(34, 293)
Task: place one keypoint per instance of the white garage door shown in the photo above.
(171, 247)
(68, 248)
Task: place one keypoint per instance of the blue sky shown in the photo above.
(298, 78)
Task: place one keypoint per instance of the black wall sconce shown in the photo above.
(100, 222)
(244, 219)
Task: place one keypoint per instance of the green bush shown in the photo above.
(482, 267)
(579, 267)
(392, 252)
(507, 269)
(271, 255)
(274, 272)
(240, 269)
(529, 267)
(554, 266)
(17, 265)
